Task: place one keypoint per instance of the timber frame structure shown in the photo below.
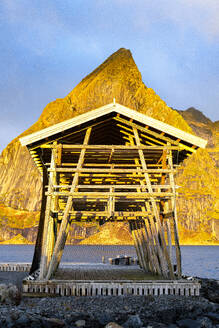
(111, 164)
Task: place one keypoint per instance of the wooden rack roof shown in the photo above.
(108, 109)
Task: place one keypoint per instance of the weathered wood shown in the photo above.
(112, 147)
(156, 214)
(136, 243)
(56, 257)
(169, 238)
(39, 241)
(175, 223)
(143, 195)
(157, 247)
(163, 268)
(115, 186)
(59, 154)
(48, 223)
(142, 129)
(142, 249)
(153, 251)
(100, 170)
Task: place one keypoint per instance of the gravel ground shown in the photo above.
(120, 311)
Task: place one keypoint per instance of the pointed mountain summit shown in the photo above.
(117, 77)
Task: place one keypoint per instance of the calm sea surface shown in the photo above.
(201, 261)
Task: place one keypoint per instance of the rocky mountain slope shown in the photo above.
(118, 77)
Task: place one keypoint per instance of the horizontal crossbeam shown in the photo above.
(115, 147)
(142, 195)
(90, 170)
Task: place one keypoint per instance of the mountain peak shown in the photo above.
(194, 114)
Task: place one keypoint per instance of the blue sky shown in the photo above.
(47, 47)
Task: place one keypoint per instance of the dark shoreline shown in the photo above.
(127, 311)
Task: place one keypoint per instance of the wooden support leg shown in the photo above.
(58, 249)
(48, 232)
(175, 223)
(39, 241)
(136, 243)
(147, 248)
(152, 247)
(142, 246)
(154, 206)
(169, 238)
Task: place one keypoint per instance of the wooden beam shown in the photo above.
(143, 195)
(112, 170)
(110, 147)
(115, 186)
(148, 131)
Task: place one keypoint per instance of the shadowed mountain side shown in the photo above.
(202, 126)
(118, 77)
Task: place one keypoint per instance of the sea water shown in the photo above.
(199, 261)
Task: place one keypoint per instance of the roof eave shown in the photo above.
(120, 109)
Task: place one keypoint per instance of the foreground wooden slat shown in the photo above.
(111, 288)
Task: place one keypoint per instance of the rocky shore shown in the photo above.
(112, 312)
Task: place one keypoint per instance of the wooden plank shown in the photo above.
(100, 170)
(115, 186)
(57, 254)
(143, 195)
(112, 147)
(156, 214)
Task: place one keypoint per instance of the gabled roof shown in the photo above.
(113, 108)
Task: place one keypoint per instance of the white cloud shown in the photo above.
(43, 27)
(201, 15)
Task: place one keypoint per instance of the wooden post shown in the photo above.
(169, 237)
(154, 206)
(136, 243)
(147, 248)
(175, 223)
(153, 250)
(48, 235)
(57, 253)
(142, 246)
(39, 241)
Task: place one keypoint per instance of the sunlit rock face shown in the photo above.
(118, 77)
